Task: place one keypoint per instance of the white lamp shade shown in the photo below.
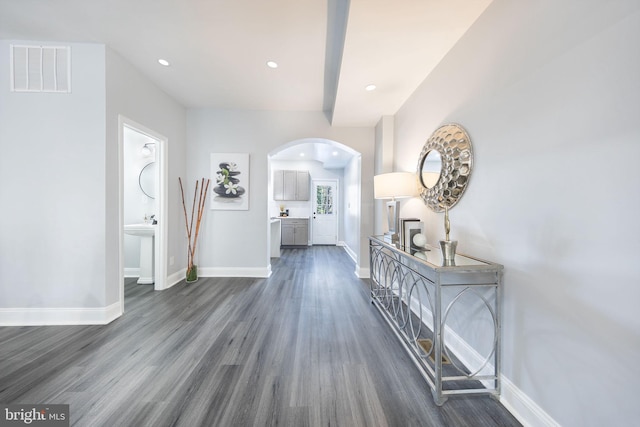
(395, 185)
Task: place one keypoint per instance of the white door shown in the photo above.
(325, 212)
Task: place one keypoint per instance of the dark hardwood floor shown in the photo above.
(302, 348)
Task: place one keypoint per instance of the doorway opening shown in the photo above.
(328, 161)
(142, 200)
(324, 223)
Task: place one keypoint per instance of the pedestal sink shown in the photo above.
(146, 232)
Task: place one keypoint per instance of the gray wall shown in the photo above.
(224, 234)
(549, 93)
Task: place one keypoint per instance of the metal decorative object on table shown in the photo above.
(448, 246)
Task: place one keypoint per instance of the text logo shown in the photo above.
(34, 415)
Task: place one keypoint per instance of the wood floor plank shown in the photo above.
(302, 348)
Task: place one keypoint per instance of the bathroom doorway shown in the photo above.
(143, 199)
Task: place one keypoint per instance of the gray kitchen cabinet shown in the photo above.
(291, 185)
(302, 185)
(278, 185)
(295, 231)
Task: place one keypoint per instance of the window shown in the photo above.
(324, 200)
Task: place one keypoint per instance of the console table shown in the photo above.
(441, 313)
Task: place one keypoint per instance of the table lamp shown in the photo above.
(394, 185)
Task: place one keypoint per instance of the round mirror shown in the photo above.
(147, 180)
(430, 169)
(444, 167)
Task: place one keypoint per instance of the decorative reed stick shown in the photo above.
(191, 236)
(201, 201)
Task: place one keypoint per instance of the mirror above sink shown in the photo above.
(147, 180)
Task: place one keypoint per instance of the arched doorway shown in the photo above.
(326, 161)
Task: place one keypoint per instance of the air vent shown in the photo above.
(41, 69)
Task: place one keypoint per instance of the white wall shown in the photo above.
(383, 163)
(59, 260)
(131, 95)
(52, 180)
(222, 246)
(549, 93)
(355, 214)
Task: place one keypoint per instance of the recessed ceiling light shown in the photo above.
(272, 64)
(335, 153)
(163, 62)
(301, 154)
(370, 87)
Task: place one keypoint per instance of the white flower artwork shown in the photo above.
(231, 175)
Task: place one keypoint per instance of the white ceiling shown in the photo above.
(218, 49)
(395, 44)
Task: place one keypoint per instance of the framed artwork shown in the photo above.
(410, 227)
(412, 230)
(230, 181)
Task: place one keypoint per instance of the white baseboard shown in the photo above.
(59, 316)
(262, 272)
(523, 408)
(515, 400)
(180, 275)
(176, 277)
(362, 273)
(132, 272)
(349, 252)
